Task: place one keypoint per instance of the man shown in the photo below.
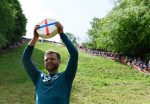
(55, 87)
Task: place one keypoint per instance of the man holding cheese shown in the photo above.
(54, 87)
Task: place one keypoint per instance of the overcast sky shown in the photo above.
(74, 15)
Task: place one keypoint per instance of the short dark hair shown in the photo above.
(53, 52)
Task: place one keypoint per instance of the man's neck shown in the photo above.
(53, 73)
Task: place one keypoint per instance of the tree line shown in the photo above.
(12, 22)
(125, 29)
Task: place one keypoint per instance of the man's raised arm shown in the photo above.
(73, 60)
(31, 69)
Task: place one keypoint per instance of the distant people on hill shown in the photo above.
(136, 62)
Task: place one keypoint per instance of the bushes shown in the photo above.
(12, 22)
(125, 29)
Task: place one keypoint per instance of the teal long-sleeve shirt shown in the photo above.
(52, 89)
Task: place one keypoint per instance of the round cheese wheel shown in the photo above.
(47, 28)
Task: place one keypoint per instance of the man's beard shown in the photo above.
(52, 67)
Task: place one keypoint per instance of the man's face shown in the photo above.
(51, 63)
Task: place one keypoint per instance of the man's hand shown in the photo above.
(60, 28)
(35, 34)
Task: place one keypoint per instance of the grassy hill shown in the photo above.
(98, 80)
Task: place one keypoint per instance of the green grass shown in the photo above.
(98, 80)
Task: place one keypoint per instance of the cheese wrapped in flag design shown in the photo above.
(47, 28)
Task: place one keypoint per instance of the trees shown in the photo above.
(72, 38)
(12, 22)
(125, 29)
(5, 26)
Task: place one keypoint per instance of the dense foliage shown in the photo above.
(126, 29)
(12, 22)
(72, 37)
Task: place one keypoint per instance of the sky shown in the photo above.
(74, 15)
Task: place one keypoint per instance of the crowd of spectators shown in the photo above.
(138, 63)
